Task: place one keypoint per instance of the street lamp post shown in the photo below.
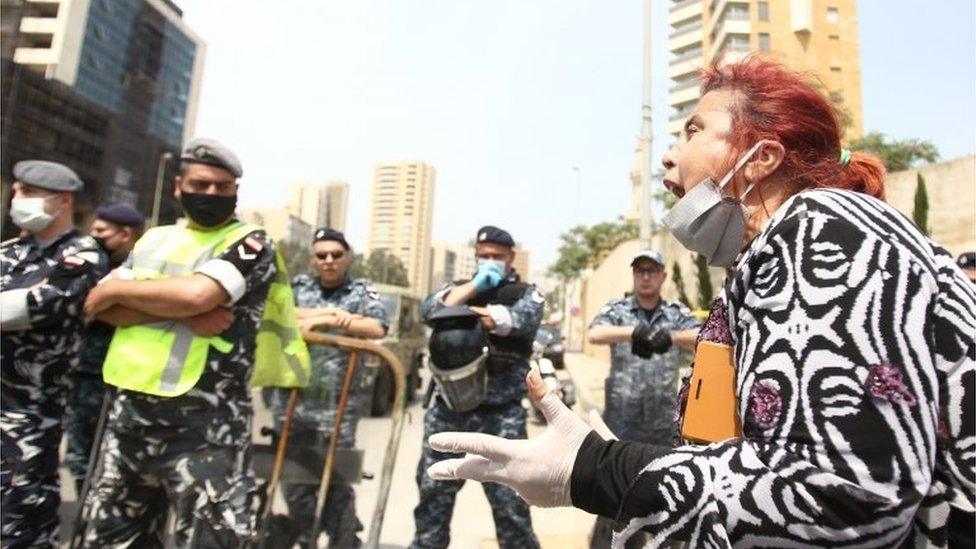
(646, 156)
(158, 196)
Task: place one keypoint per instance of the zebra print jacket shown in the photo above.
(855, 359)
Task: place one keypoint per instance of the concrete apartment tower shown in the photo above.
(320, 204)
(401, 210)
(814, 35)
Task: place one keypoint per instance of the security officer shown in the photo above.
(189, 305)
(116, 228)
(644, 333)
(333, 301)
(45, 275)
(511, 311)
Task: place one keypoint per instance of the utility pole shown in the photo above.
(646, 157)
(158, 196)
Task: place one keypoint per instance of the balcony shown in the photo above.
(682, 11)
(686, 28)
(684, 84)
(683, 95)
(694, 53)
(730, 29)
(682, 111)
(679, 70)
(717, 12)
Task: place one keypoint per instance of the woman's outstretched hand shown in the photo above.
(539, 469)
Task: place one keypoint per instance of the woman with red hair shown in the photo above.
(853, 345)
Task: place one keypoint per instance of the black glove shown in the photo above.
(646, 341)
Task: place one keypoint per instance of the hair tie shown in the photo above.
(845, 157)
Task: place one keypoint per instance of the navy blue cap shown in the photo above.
(325, 233)
(47, 175)
(494, 235)
(121, 214)
(967, 260)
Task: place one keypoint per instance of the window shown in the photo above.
(763, 41)
(764, 11)
(832, 15)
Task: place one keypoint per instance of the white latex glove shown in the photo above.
(539, 469)
(600, 426)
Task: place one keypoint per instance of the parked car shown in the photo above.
(554, 344)
(407, 340)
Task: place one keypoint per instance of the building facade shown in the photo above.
(108, 87)
(281, 225)
(320, 204)
(813, 35)
(401, 212)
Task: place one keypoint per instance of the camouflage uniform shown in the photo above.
(640, 394)
(191, 451)
(315, 411)
(501, 414)
(35, 354)
(85, 395)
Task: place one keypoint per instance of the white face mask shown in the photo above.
(708, 222)
(29, 213)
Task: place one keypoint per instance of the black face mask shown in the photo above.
(208, 210)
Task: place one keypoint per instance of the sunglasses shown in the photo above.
(336, 255)
(647, 271)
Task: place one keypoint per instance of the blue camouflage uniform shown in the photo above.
(39, 345)
(315, 412)
(500, 414)
(640, 393)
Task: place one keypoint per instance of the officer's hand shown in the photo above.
(539, 469)
(210, 323)
(342, 319)
(100, 298)
(489, 276)
(647, 341)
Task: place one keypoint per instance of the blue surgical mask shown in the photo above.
(497, 262)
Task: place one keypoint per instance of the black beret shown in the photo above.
(212, 153)
(47, 175)
(494, 235)
(967, 260)
(324, 234)
(122, 214)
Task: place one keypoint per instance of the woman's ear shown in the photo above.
(765, 162)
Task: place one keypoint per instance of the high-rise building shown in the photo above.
(104, 86)
(336, 203)
(320, 204)
(400, 216)
(281, 225)
(521, 263)
(813, 35)
(443, 264)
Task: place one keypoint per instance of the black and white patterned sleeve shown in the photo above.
(838, 395)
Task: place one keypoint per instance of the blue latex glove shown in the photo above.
(489, 276)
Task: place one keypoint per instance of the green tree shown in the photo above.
(385, 268)
(586, 247)
(679, 282)
(896, 154)
(920, 213)
(705, 292)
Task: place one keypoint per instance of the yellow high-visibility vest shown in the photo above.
(166, 358)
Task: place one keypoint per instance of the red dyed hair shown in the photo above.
(774, 102)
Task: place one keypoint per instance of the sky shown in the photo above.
(528, 109)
